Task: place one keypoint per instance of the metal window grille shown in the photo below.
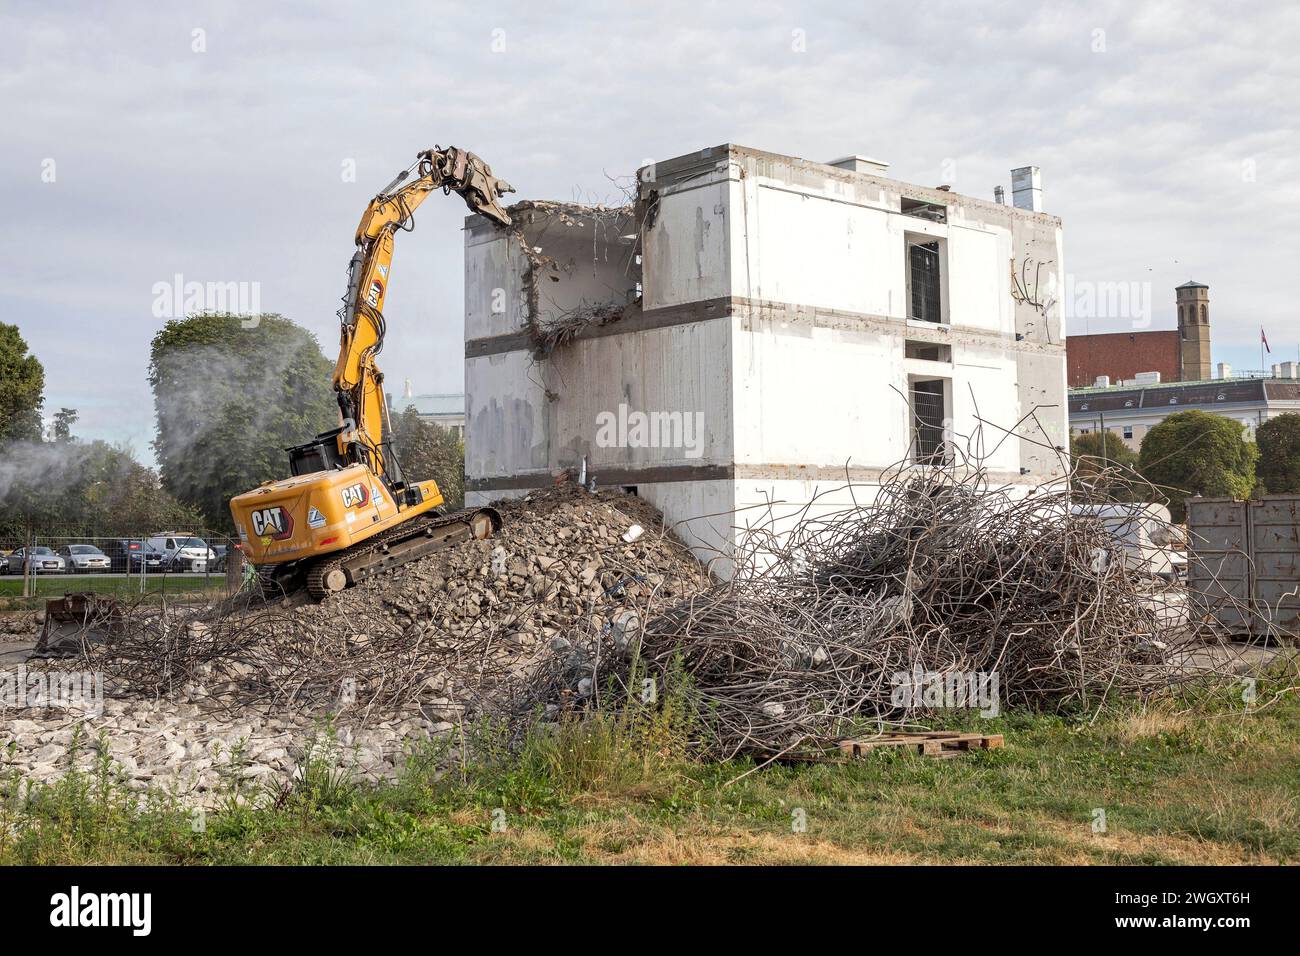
(923, 270)
(927, 421)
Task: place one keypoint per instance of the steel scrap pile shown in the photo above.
(936, 580)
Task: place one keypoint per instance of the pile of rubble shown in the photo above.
(200, 755)
(869, 615)
(407, 655)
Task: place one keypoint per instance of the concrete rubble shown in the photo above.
(365, 676)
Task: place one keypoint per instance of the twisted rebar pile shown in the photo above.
(936, 571)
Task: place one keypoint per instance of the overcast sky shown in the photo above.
(1166, 134)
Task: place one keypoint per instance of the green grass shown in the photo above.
(1180, 781)
(56, 585)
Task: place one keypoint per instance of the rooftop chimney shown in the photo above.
(861, 164)
(999, 195)
(406, 391)
(1225, 370)
(1027, 188)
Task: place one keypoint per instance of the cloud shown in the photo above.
(1170, 152)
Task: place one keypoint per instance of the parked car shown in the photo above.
(85, 558)
(222, 552)
(183, 552)
(133, 555)
(39, 560)
(147, 560)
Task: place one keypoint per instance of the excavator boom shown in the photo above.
(349, 510)
(357, 381)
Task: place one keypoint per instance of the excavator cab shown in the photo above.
(319, 454)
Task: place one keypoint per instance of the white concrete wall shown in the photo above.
(685, 256)
(678, 370)
(493, 261)
(796, 361)
(506, 425)
(701, 514)
(817, 389)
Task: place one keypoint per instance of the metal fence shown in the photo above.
(1244, 562)
(143, 562)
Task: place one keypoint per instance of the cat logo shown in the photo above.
(375, 294)
(355, 495)
(274, 523)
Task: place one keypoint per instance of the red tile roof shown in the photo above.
(1122, 355)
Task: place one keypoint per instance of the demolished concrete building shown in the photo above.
(753, 330)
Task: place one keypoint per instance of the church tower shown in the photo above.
(1193, 331)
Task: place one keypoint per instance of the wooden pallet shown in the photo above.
(930, 744)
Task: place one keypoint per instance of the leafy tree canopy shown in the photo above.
(1279, 455)
(1197, 453)
(230, 395)
(22, 386)
(426, 450)
(1107, 467)
(82, 489)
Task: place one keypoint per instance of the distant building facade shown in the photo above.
(1130, 413)
(446, 410)
(1178, 355)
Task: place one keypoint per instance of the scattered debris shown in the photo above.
(946, 591)
(451, 636)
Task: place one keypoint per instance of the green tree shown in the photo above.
(230, 396)
(1279, 455)
(82, 489)
(22, 385)
(1197, 453)
(1106, 467)
(426, 450)
(64, 419)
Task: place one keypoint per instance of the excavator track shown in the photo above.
(397, 546)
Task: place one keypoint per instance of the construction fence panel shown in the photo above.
(124, 563)
(1246, 552)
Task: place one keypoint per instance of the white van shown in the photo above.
(183, 552)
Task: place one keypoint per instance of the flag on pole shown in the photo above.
(1264, 339)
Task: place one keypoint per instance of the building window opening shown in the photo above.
(929, 409)
(927, 351)
(923, 281)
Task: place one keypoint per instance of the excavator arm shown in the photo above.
(358, 383)
(347, 512)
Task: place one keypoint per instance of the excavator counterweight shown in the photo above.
(348, 510)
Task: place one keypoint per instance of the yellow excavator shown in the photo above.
(348, 511)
